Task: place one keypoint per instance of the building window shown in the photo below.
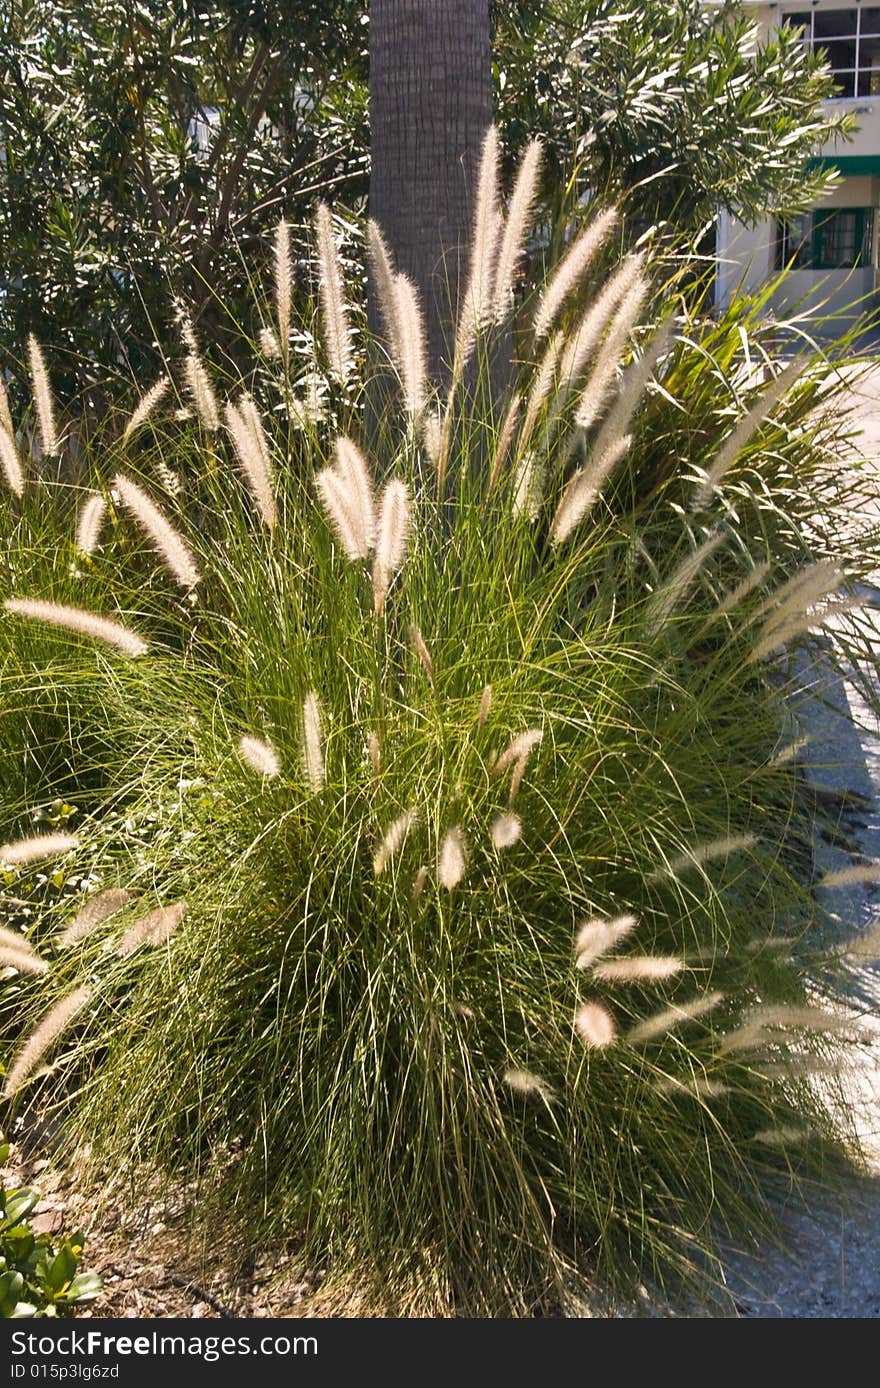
(850, 41)
(836, 239)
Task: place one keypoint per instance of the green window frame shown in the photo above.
(834, 238)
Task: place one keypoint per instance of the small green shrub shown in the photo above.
(447, 897)
(37, 1277)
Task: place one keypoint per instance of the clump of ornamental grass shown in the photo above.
(445, 828)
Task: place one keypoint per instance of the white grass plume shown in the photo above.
(417, 641)
(746, 585)
(476, 305)
(283, 286)
(583, 490)
(759, 1026)
(595, 393)
(411, 346)
(849, 876)
(145, 406)
(639, 968)
(82, 623)
(384, 276)
(786, 1135)
(528, 486)
(155, 928)
(600, 936)
(43, 1037)
(504, 440)
(452, 859)
(519, 216)
(37, 847)
(571, 270)
(89, 522)
(11, 463)
(391, 540)
(633, 385)
(341, 510)
(671, 593)
(268, 344)
(419, 882)
(520, 746)
(202, 391)
(43, 402)
(543, 382)
(394, 838)
(252, 450)
(260, 756)
(707, 852)
(672, 1017)
(6, 424)
(93, 913)
(18, 953)
(622, 287)
(314, 768)
(351, 467)
(168, 543)
(485, 705)
(375, 749)
(595, 1025)
(331, 293)
(742, 432)
(524, 1082)
(811, 584)
(505, 830)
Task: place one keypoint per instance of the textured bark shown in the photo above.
(430, 105)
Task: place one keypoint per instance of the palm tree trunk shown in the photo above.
(430, 105)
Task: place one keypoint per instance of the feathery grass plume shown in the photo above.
(519, 216)
(747, 585)
(761, 1023)
(260, 756)
(168, 543)
(417, 641)
(331, 291)
(670, 594)
(528, 486)
(742, 432)
(771, 641)
(672, 1017)
(253, 456)
(283, 286)
(621, 288)
(6, 424)
(633, 385)
(519, 770)
(848, 876)
(37, 847)
(375, 755)
(43, 403)
(18, 953)
(583, 490)
(542, 385)
(639, 968)
(11, 464)
(393, 840)
(168, 479)
(476, 306)
(790, 752)
(145, 406)
(505, 830)
(44, 1035)
(571, 270)
(784, 1136)
(155, 928)
(89, 522)
(412, 346)
(520, 747)
(341, 510)
(504, 440)
(383, 274)
(485, 705)
(419, 882)
(268, 344)
(391, 540)
(598, 937)
(595, 393)
(432, 436)
(811, 584)
(696, 1086)
(595, 1025)
(708, 852)
(351, 467)
(95, 911)
(452, 859)
(24, 960)
(524, 1082)
(82, 623)
(312, 746)
(202, 392)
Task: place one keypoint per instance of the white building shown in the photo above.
(833, 249)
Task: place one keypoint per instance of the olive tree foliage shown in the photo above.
(149, 147)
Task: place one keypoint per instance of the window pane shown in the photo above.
(797, 242)
(845, 83)
(837, 239)
(866, 251)
(798, 19)
(869, 81)
(833, 23)
(871, 20)
(869, 61)
(840, 54)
